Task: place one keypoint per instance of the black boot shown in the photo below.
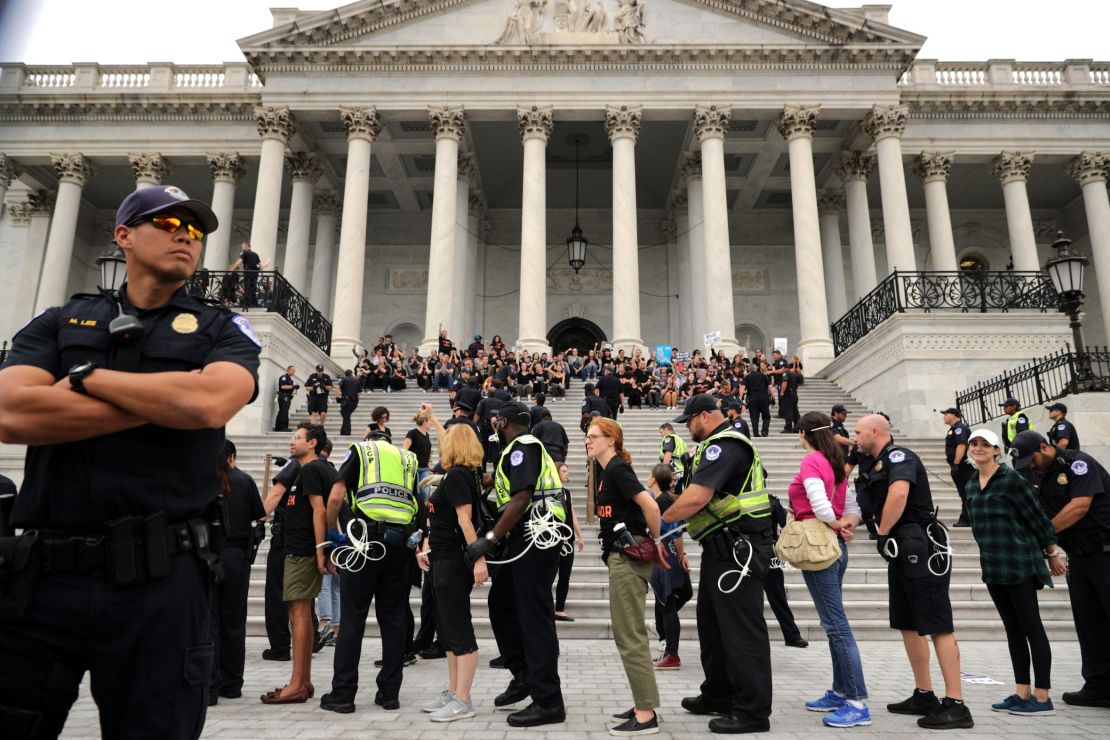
(729, 725)
(517, 690)
(701, 705)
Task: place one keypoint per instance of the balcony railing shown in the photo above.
(267, 290)
(964, 292)
(1037, 383)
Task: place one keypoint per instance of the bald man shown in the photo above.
(899, 494)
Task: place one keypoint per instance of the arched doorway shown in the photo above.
(579, 333)
(751, 338)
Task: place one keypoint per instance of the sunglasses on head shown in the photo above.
(171, 224)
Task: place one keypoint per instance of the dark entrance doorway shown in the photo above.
(579, 333)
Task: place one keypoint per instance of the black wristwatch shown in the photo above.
(78, 373)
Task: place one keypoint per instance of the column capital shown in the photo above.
(933, 166)
(75, 168)
(670, 230)
(691, 167)
(274, 123)
(448, 121)
(303, 167)
(830, 202)
(536, 122)
(152, 168)
(40, 202)
(885, 121)
(711, 121)
(227, 167)
(855, 165)
(325, 201)
(476, 201)
(623, 121)
(798, 121)
(467, 166)
(360, 123)
(1012, 166)
(680, 202)
(20, 213)
(484, 228)
(8, 170)
(1088, 167)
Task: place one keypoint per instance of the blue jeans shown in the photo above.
(328, 599)
(825, 587)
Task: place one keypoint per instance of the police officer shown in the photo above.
(462, 415)
(591, 403)
(120, 484)
(1062, 434)
(734, 409)
(287, 387)
(918, 574)
(379, 482)
(1075, 492)
(1016, 421)
(955, 452)
(728, 511)
(348, 391)
(788, 401)
(521, 610)
(611, 390)
(756, 387)
(672, 451)
(837, 416)
(317, 386)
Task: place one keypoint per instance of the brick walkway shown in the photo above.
(595, 687)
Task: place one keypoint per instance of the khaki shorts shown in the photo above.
(300, 579)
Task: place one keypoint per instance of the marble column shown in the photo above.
(275, 126)
(1089, 169)
(535, 128)
(796, 124)
(35, 211)
(885, 125)
(228, 168)
(622, 124)
(149, 170)
(458, 327)
(853, 171)
(669, 229)
(695, 217)
(325, 203)
(933, 169)
(1012, 170)
(711, 126)
(362, 128)
(829, 205)
(74, 171)
(448, 125)
(304, 170)
(680, 214)
(8, 172)
(473, 322)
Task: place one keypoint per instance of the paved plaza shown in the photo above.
(595, 687)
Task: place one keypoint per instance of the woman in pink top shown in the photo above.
(820, 491)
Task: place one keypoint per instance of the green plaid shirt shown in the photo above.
(1010, 528)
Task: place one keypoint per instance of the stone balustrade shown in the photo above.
(1005, 74)
(94, 78)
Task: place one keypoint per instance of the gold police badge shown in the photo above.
(184, 323)
(878, 466)
(1062, 479)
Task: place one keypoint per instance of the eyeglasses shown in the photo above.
(591, 437)
(170, 224)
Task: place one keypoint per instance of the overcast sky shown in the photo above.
(204, 31)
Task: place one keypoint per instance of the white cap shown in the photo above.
(987, 434)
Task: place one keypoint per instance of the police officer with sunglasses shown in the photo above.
(122, 400)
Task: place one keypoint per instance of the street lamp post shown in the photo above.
(1066, 271)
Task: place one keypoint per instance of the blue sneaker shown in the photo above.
(1032, 708)
(1011, 701)
(848, 716)
(830, 702)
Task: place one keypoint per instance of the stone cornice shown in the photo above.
(798, 120)
(303, 166)
(623, 121)
(933, 166)
(448, 121)
(136, 109)
(151, 168)
(1088, 167)
(1028, 106)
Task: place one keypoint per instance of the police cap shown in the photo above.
(1010, 402)
(696, 405)
(516, 412)
(154, 200)
(1056, 407)
(1023, 446)
(954, 411)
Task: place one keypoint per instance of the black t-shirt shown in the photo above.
(616, 487)
(251, 260)
(421, 446)
(609, 387)
(756, 383)
(314, 479)
(1074, 475)
(244, 505)
(895, 463)
(459, 488)
(1064, 429)
(957, 435)
(534, 414)
(554, 439)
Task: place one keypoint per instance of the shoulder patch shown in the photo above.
(1079, 467)
(896, 456)
(712, 452)
(244, 325)
(516, 458)
(957, 430)
(1061, 427)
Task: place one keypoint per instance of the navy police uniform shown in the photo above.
(122, 593)
(287, 386)
(962, 472)
(317, 386)
(788, 400)
(348, 402)
(1064, 429)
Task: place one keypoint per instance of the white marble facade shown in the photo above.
(385, 147)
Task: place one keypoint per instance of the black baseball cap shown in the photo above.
(376, 433)
(589, 387)
(516, 412)
(1023, 446)
(465, 406)
(1056, 407)
(1010, 402)
(319, 367)
(839, 408)
(696, 405)
(953, 410)
(154, 200)
(731, 403)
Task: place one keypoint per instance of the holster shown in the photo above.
(914, 549)
(20, 564)
(1082, 544)
(258, 534)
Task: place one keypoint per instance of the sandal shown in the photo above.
(297, 697)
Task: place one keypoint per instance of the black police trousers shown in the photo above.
(146, 648)
(386, 583)
(347, 407)
(1089, 588)
(426, 637)
(788, 410)
(735, 648)
(228, 622)
(774, 585)
(281, 421)
(522, 614)
(961, 474)
(277, 611)
(760, 408)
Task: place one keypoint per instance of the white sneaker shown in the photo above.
(456, 709)
(438, 703)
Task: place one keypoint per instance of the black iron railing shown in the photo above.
(1037, 383)
(267, 290)
(965, 292)
(3, 354)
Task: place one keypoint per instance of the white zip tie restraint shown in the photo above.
(741, 574)
(942, 551)
(777, 564)
(543, 531)
(354, 556)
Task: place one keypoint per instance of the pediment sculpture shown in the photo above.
(575, 22)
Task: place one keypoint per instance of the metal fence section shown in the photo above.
(267, 290)
(1037, 383)
(965, 292)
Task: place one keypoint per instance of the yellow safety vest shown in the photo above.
(751, 498)
(676, 454)
(548, 486)
(386, 478)
(1011, 425)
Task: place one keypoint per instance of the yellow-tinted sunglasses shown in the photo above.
(171, 224)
